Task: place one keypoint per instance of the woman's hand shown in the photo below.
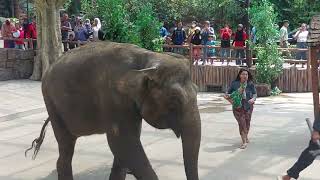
(241, 90)
(251, 101)
(227, 97)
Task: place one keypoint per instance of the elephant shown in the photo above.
(110, 88)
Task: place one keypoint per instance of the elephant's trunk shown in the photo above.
(191, 137)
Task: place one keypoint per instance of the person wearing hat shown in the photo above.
(196, 40)
(192, 29)
(284, 36)
(7, 31)
(240, 38)
(206, 31)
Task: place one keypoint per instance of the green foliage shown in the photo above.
(275, 91)
(67, 4)
(148, 27)
(269, 63)
(221, 11)
(132, 22)
(296, 11)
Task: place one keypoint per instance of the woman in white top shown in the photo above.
(301, 36)
(96, 28)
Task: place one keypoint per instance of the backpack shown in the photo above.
(179, 36)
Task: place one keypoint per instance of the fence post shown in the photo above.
(309, 59)
(315, 81)
(31, 42)
(191, 58)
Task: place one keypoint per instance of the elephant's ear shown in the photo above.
(136, 83)
(148, 79)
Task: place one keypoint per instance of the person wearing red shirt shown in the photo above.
(240, 38)
(225, 35)
(6, 31)
(30, 30)
(20, 32)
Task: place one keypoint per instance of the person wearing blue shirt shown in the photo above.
(206, 31)
(163, 31)
(178, 37)
(211, 51)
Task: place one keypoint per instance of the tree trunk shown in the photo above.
(49, 36)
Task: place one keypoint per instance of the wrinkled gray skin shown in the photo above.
(98, 89)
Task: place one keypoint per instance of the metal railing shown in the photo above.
(188, 51)
(28, 41)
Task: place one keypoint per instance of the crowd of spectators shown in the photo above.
(204, 34)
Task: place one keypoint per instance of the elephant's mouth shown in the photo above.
(172, 119)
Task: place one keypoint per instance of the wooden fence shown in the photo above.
(292, 79)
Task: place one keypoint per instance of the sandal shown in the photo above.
(244, 146)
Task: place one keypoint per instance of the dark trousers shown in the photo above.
(239, 54)
(300, 54)
(9, 44)
(304, 161)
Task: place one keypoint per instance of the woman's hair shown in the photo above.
(250, 77)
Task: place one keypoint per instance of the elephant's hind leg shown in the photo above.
(66, 143)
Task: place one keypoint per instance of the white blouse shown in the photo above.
(302, 37)
(95, 32)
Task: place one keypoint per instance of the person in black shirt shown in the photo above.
(196, 40)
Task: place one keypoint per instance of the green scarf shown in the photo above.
(237, 97)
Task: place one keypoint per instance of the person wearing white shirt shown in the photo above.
(96, 28)
(301, 36)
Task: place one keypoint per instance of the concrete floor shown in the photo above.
(279, 134)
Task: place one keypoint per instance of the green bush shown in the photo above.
(275, 91)
(270, 63)
(126, 23)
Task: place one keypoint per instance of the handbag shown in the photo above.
(236, 96)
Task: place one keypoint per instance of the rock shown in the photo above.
(263, 90)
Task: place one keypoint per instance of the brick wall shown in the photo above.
(16, 64)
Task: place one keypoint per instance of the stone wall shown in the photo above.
(16, 64)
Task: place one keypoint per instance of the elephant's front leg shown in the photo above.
(127, 147)
(117, 172)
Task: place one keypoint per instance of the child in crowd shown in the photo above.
(211, 42)
(72, 41)
(19, 34)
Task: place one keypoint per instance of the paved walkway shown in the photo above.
(279, 133)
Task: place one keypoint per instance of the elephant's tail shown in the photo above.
(38, 141)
